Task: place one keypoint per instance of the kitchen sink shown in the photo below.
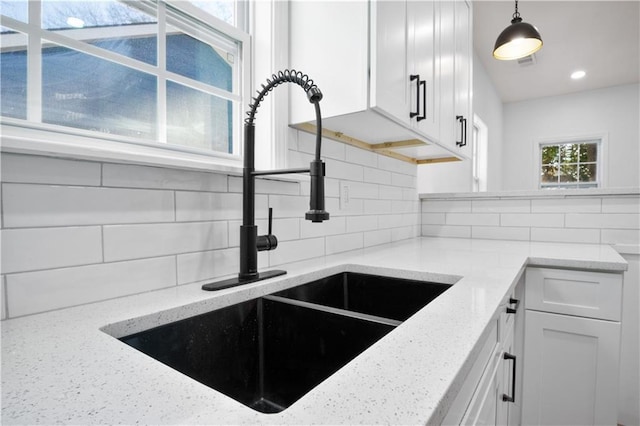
(386, 297)
(268, 352)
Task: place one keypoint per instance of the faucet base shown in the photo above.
(232, 282)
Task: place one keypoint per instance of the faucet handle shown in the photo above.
(269, 241)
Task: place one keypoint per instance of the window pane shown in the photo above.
(86, 92)
(200, 61)
(568, 173)
(549, 174)
(588, 152)
(13, 78)
(550, 154)
(197, 119)
(96, 22)
(221, 9)
(588, 173)
(16, 9)
(569, 153)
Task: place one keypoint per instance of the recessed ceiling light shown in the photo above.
(577, 75)
(74, 22)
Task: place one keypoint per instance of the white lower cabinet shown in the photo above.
(489, 393)
(571, 362)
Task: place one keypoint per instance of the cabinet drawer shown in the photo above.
(580, 293)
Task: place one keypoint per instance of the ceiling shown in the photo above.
(599, 37)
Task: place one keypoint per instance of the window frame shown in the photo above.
(601, 162)
(33, 136)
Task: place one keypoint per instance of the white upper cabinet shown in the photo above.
(456, 75)
(379, 65)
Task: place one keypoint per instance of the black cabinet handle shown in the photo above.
(463, 131)
(423, 83)
(417, 112)
(513, 301)
(506, 397)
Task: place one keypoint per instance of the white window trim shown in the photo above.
(602, 163)
(30, 137)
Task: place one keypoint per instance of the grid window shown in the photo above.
(570, 165)
(149, 72)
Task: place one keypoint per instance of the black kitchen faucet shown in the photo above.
(250, 242)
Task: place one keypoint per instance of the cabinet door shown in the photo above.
(571, 370)
(463, 61)
(446, 71)
(422, 60)
(390, 88)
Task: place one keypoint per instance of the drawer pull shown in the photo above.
(506, 397)
(513, 301)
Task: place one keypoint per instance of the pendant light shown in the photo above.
(518, 40)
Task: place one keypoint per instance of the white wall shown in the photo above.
(456, 176)
(488, 106)
(613, 111)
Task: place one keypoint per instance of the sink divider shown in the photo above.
(336, 311)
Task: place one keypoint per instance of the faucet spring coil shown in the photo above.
(284, 76)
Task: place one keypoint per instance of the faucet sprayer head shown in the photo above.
(316, 211)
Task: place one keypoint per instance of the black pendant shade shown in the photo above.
(518, 40)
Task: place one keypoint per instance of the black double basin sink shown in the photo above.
(268, 352)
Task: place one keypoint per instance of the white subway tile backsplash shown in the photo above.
(501, 206)
(388, 192)
(566, 205)
(3, 299)
(48, 170)
(620, 236)
(546, 220)
(293, 251)
(361, 223)
(134, 176)
(346, 171)
(268, 186)
(485, 219)
(398, 179)
(391, 220)
(446, 206)
(354, 207)
(333, 226)
(499, 233)
(297, 159)
(433, 218)
(361, 156)
(27, 205)
(621, 205)
(362, 190)
(330, 148)
(139, 241)
(284, 229)
(377, 206)
(46, 248)
(404, 206)
(604, 220)
(405, 232)
(377, 176)
(397, 166)
(195, 267)
(374, 238)
(201, 206)
(345, 242)
(446, 231)
(33, 292)
(566, 235)
(289, 206)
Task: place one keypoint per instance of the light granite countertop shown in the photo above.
(67, 367)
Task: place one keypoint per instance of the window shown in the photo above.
(161, 73)
(570, 165)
